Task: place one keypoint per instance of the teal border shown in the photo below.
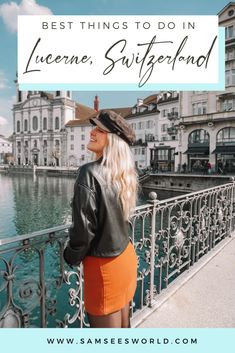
(35, 340)
(219, 86)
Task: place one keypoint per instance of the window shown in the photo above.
(25, 125)
(199, 108)
(57, 126)
(19, 96)
(72, 137)
(68, 94)
(164, 127)
(18, 126)
(134, 126)
(57, 93)
(72, 147)
(229, 55)
(83, 147)
(233, 77)
(18, 144)
(149, 137)
(133, 110)
(199, 136)
(83, 137)
(83, 157)
(44, 123)
(226, 135)
(35, 143)
(71, 129)
(143, 150)
(164, 112)
(163, 155)
(227, 77)
(140, 125)
(149, 124)
(35, 123)
(45, 143)
(229, 32)
(228, 104)
(26, 144)
(57, 142)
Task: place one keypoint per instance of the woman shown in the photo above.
(104, 198)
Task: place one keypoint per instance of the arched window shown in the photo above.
(226, 134)
(57, 126)
(35, 123)
(199, 136)
(19, 96)
(44, 123)
(18, 126)
(25, 125)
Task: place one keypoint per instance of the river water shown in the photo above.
(29, 203)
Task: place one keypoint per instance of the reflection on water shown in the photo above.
(29, 203)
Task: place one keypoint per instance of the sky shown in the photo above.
(9, 9)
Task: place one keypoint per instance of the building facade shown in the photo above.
(164, 151)
(39, 127)
(5, 150)
(207, 124)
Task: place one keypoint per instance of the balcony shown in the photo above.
(172, 130)
(172, 116)
(139, 142)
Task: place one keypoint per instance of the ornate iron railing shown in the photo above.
(37, 289)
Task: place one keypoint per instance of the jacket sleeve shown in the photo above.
(83, 229)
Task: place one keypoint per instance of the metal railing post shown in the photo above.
(153, 197)
(231, 205)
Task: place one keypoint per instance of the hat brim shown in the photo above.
(96, 122)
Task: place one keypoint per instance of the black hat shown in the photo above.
(112, 122)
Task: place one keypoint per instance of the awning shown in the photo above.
(198, 150)
(224, 150)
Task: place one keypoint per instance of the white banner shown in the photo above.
(127, 51)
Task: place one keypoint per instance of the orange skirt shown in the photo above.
(109, 282)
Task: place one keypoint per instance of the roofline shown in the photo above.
(225, 7)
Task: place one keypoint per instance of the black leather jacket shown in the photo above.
(98, 228)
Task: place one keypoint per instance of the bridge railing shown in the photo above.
(37, 289)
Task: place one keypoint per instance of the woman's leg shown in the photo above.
(113, 320)
(126, 316)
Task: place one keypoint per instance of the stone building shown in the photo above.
(39, 126)
(164, 151)
(207, 124)
(5, 150)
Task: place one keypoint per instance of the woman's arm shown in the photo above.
(83, 229)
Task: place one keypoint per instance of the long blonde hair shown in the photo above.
(119, 172)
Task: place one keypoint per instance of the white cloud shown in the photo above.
(10, 11)
(3, 121)
(6, 118)
(3, 80)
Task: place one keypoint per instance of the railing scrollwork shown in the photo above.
(37, 289)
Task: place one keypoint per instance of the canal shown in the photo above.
(29, 203)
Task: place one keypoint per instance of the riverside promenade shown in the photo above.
(204, 298)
